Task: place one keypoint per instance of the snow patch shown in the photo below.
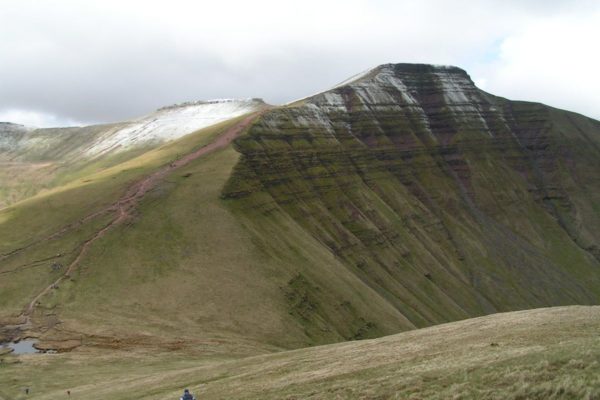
(172, 122)
(11, 135)
(353, 78)
(348, 81)
(315, 117)
(453, 88)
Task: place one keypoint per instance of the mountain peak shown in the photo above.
(422, 86)
(421, 68)
(400, 69)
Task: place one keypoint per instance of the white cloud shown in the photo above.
(481, 83)
(35, 119)
(553, 60)
(114, 59)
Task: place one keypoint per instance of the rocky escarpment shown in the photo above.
(446, 201)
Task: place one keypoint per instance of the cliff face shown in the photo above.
(446, 201)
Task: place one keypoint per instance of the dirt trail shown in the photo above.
(124, 207)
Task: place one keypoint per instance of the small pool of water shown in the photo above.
(22, 347)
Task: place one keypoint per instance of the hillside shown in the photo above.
(446, 201)
(403, 198)
(33, 159)
(537, 354)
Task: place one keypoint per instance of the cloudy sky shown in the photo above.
(74, 62)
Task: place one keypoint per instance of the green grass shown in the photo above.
(538, 354)
(51, 158)
(186, 250)
(29, 222)
(189, 251)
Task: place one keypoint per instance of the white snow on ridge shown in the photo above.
(11, 135)
(454, 88)
(343, 83)
(172, 122)
(354, 78)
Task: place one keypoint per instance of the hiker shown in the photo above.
(187, 395)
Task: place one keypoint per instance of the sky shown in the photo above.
(80, 62)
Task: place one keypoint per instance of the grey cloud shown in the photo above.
(107, 61)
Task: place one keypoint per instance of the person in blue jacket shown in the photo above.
(187, 395)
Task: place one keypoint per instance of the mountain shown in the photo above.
(35, 159)
(445, 201)
(402, 198)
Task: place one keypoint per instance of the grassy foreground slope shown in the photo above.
(551, 353)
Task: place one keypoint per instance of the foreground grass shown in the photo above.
(551, 353)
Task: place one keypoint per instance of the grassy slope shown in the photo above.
(188, 252)
(48, 162)
(30, 221)
(188, 269)
(537, 354)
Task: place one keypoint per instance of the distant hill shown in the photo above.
(34, 159)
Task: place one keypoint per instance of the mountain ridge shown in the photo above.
(404, 198)
(43, 158)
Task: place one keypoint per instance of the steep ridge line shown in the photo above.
(125, 206)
